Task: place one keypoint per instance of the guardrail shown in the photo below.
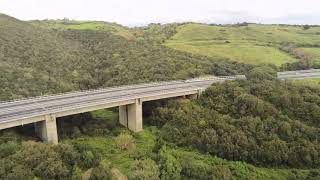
(76, 93)
(67, 107)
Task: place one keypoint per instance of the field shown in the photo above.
(254, 44)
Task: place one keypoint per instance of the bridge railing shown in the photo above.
(67, 107)
(83, 92)
(88, 91)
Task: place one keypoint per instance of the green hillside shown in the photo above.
(85, 25)
(252, 43)
(49, 60)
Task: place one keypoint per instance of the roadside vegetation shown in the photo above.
(315, 83)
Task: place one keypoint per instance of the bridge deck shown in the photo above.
(34, 109)
(31, 110)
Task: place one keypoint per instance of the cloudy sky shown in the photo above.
(141, 12)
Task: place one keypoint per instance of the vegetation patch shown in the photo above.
(314, 53)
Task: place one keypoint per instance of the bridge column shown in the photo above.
(47, 129)
(193, 96)
(200, 91)
(123, 115)
(130, 116)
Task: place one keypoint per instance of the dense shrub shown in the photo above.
(39, 160)
(125, 142)
(170, 166)
(103, 171)
(145, 170)
(261, 120)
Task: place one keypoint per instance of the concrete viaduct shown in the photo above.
(43, 111)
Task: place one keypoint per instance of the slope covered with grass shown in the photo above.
(249, 43)
(46, 57)
(85, 25)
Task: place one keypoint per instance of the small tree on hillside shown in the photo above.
(306, 27)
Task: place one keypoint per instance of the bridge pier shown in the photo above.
(192, 96)
(130, 116)
(47, 129)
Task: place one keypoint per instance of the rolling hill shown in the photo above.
(247, 43)
(37, 58)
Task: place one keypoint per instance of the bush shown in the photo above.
(145, 170)
(170, 166)
(7, 149)
(68, 154)
(125, 142)
(35, 159)
(89, 159)
(102, 172)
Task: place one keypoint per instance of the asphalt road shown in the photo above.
(27, 108)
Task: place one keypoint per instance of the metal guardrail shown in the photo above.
(85, 105)
(88, 98)
(46, 104)
(67, 107)
(84, 92)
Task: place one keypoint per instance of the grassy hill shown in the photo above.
(45, 57)
(85, 25)
(252, 43)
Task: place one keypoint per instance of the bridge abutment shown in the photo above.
(47, 129)
(130, 116)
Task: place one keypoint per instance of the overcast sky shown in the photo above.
(142, 12)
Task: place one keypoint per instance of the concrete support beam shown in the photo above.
(135, 116)
(200, 91)
(47, 129)
(123, 115)
(130, 116)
